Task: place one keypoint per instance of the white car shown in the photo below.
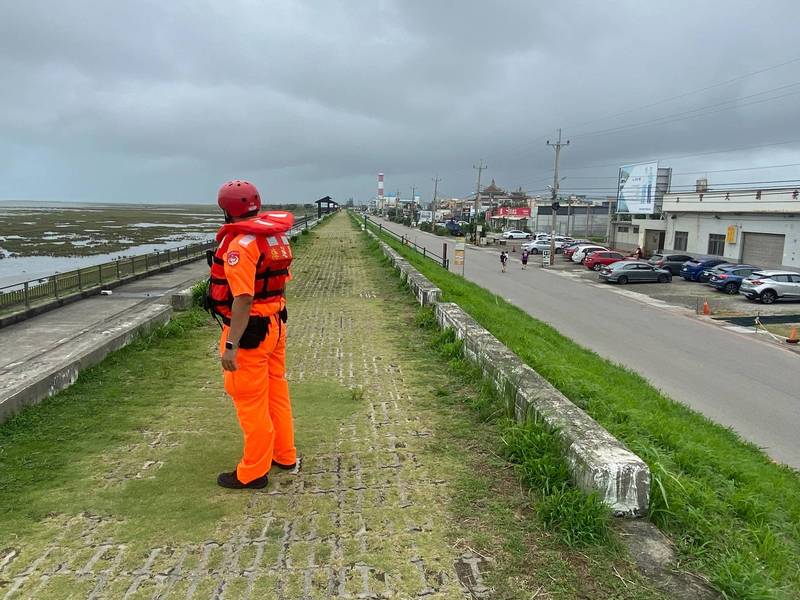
(537, 246)
(515, 234)
(583, 251)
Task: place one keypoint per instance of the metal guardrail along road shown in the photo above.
(380, 228)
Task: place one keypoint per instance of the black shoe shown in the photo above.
(284, 467)
(231, 481)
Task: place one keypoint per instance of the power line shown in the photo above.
(685, 172)
(681, 156)
(792, 182)
(776, 191)
(671, 98)
(695, 91)
(682, 116)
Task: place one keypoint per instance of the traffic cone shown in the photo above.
(706, 307)
(792, 339)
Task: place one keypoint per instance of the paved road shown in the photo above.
(749, 385)
(37, 335)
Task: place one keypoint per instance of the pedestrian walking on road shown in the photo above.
(638, 253)
(246, 292)
(503, 261)
(524, 259)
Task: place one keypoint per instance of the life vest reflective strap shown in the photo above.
(270, 273)
(221, 281)
(269, 293)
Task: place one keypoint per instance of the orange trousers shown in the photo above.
(260, 393)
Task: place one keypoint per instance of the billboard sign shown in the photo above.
(425, 216)
(636, 190)
(511, 211)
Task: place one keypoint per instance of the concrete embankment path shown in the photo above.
(108, 490)
(44, 353)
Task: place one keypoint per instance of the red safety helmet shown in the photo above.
(238, 198)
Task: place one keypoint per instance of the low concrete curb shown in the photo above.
(182, 300)
(37, 377)
(597, 460)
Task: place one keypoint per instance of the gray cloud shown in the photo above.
(162, 101)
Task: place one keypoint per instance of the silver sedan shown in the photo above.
(629, 271)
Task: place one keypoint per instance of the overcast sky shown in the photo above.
(154, 101)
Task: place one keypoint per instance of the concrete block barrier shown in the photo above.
(182, 300)
(37, 377)
(598, 461)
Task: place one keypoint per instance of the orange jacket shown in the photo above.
(267, 232)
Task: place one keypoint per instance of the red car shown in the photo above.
(570, 248)
(597, 260)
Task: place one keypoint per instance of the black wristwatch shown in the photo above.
(229, 345)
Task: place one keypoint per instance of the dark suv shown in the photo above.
(728, 278)
(670, 262)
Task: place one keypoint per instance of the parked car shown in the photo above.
(628, 271)
(453, 228)
(706, 274)
(692, 269)
(670, 262)
(729, 278)
(515, 234)
(769, 286)
(582, 251)
(537, 246)
(602, 258)
(570, 247)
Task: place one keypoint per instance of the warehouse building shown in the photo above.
(759, 227)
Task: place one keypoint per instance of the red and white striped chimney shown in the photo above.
(380, 185)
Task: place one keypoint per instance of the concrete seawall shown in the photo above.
(598, 461)
(35, 378)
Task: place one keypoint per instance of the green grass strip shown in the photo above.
(733, 514)
(579, 519)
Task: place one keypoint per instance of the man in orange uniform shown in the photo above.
(248, 272)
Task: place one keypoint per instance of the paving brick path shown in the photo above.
(364, 516)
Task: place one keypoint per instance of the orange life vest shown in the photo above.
(272, 268)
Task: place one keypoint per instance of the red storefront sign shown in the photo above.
(509, 211)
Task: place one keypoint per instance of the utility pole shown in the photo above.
(554, 206)
(436, 181)
(413, 202)
(477, 206)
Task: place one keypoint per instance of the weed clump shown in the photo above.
(580, 519)
(199, 292)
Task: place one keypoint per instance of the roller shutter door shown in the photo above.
(762, 249)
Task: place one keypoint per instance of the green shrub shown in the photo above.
(581, 519)
(199, 291)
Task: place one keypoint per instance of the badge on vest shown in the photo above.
(233, 258)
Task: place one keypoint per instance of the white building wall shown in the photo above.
(699, 226)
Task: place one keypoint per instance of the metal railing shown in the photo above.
(442, 260)
(25, 294)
